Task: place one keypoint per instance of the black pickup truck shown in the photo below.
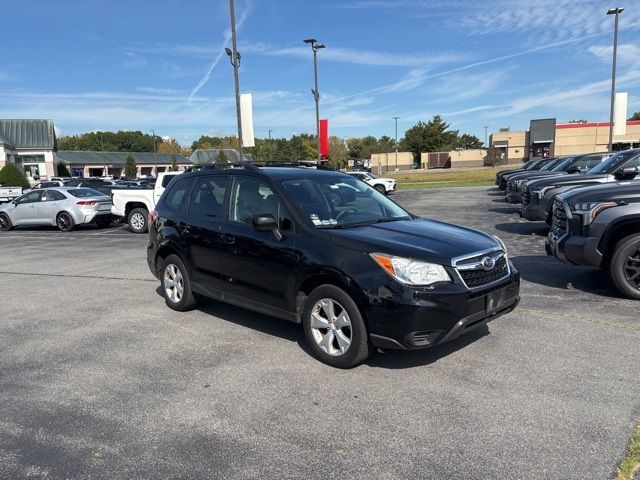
(538, 199)
(600, 226)
(531, 165)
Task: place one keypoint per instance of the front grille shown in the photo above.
(526, 197)
(559, 224)
(477, 277)
(510, 187)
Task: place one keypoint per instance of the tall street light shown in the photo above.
(613, 11)
(155, 157)
(396, 119)
(234, 56)
(315, 46)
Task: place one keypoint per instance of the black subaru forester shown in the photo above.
(324, 249)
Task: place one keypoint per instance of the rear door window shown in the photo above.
(207, 196)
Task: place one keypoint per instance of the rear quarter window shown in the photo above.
(176, 197)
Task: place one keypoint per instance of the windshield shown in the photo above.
(528, 165)
(85, 192)
(372, 175)
(613, 163)
(341, 201)
(563, 165)
(549, 166)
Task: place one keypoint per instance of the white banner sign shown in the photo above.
(246, 115)
(620, 114)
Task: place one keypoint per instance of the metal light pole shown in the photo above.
(270, 146)
(485, 136)
(104, 160)
(315, 46)
(613, 11)
(234, 56)
(396, 119)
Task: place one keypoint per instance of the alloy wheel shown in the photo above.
(331, 327)
(137, 221)
(632, 267)
(173, 283)
(4, 222)
(64, 222)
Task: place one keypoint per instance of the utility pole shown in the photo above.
(396, 119)
(613, 11)
(104, 160)
(235, 61)
(270, 146)
(485, 136)
(315, 46)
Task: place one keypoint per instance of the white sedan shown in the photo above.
(61, 207)
(383, 185)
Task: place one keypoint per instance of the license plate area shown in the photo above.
(496, 300)
(104, 207)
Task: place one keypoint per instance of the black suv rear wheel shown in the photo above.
(334, 328)
(624, 267)
(175, 284)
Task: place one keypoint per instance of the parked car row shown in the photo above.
(594, 216)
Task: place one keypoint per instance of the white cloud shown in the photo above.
(160, 91)
(627, 54)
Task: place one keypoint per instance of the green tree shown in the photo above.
(468, 142)
(121, 141)
(338, 154)
(578, 121)
(635, 116)
(174, 163)
(220, 157)
(493, 157)
(433, 136)
(62, 170)
(130, 167)
(11, 176)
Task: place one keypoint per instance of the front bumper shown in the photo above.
(514, 197)
(412, 319)
(534, 212)
(576, 250)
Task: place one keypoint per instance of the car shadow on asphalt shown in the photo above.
(551, 272)
(509, 210)
(393, 359)
(540, 229)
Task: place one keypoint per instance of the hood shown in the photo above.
(422, 239)
(502, 173)
(628, 191)
(534, 174)
(566, 180)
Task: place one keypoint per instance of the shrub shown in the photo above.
(493, 157)
(130, 167)
(62, 170)
(11, 176)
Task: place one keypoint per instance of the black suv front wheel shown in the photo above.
(334, 328)
(624, 267)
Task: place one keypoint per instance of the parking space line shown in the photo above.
(63, 275)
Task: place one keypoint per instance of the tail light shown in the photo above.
(87, 202)
(153, 216)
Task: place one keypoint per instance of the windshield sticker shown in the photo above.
(315, 219)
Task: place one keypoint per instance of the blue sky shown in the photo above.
(143, 65)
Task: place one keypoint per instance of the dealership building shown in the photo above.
(547, 138)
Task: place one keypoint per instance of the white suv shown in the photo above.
(383, 185)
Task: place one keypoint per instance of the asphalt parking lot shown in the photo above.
(99, 379)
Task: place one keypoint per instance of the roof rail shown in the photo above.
(302, 164)
(242, 163)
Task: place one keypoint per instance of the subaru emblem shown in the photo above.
(488, 263)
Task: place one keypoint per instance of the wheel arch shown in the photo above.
(317, 278)
(617, 232)
(132, 205)
(170, 248)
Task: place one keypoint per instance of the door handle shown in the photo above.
(227, 238)
(183, 227)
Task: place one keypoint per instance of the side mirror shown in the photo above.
(265, 222)
(627, 173)
(573, 169)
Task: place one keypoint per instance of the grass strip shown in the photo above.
(631, 464)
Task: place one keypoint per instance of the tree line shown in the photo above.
(434, 135)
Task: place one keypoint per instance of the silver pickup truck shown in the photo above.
(7, 194)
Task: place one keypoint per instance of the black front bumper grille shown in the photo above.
(559, 225)
(479, 277)
(526, 197)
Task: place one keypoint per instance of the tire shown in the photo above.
(65, 222)
(103, 221)
(5, 222)
(325, 342)
(137, 220)
(624, 267)
(381, 189)
(178, 297)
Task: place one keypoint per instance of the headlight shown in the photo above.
(499, 240)
(590, 210)
(411, 272)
